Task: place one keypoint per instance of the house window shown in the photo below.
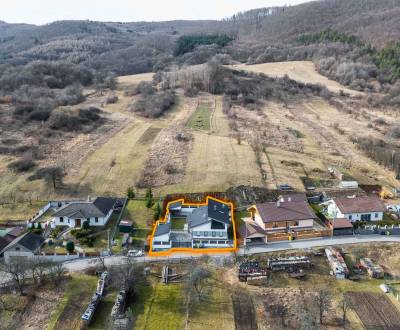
(214, 234)
(366, 217)
(61, 219)
(205, 234)
(350, 217)
(88, 219)
(213, 242)
(221, 234)
(376, 215)
(96, 219)
(17, 248)
(198, 233)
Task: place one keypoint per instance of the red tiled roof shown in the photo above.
(359, 204)
(341, 223)
(285, 211)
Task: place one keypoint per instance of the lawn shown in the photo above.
(214, 311)
(19, 211)
(137, 212)
(78, 292)
(159, 306)
(200, 119)
(178, 223)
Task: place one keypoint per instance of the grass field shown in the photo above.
(78, 292)
(200, 120)
(303, 71)
(214, 311)
(159, 306)
(19, 211)
(137, 212)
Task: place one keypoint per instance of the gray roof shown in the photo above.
(30, 241)
(162, 228)
(218, 211)
(198, 217)
(99, 208)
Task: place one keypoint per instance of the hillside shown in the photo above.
(375, 21)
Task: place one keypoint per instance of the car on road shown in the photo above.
(135, 253)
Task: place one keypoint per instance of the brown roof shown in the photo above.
(294, 197)
(285, 211)
(16, 231)
(341, 223)
(359, 204)
(252, 228)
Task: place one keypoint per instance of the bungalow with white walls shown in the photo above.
(74, 214)
(290, 213)
(363, 208)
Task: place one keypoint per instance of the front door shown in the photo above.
(77, 223)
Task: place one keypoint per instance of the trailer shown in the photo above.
(336, 262)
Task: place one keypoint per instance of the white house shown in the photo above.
(290, 212)
(363, 208)
(23, 247)
(74, 214)
(205, 226)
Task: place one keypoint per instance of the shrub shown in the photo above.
(22, 165)
(70, 246)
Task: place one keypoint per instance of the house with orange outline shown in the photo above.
(195, 227)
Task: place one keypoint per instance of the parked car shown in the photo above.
(134, 253)
(118, 206)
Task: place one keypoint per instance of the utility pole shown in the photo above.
(109, 241)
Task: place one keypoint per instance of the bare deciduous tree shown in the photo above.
(198, 279)
(324, 300)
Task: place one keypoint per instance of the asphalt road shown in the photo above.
(82, 264)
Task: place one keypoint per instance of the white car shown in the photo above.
(134, 253)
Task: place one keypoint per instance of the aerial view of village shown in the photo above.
(212, 166)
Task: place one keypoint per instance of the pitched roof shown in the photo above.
(198, 217)
(294, 197)
(3, 243)
(162, 229)
(285, 211)
(359, 204)
(249, 229)
(218, 211)
(29, 240)
(16, 231)
(99, 208)
(341, 223)
(104, 204)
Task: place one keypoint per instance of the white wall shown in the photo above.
(306, 223)
(206, 227)
(334, 211)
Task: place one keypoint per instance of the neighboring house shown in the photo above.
(25, 246)
(74, 214)
(290, 213)
(252, 233)
(341, 226)
(363, 208)
(200, 226)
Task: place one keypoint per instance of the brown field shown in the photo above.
(375, 310)
(301, 140)
(303, 71)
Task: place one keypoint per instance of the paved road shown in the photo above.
(82, 264)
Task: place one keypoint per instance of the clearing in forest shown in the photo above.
(303, 71)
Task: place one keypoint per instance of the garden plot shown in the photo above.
(375, 310)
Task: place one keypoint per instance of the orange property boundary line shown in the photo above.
(193, 250)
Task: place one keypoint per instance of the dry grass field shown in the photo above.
(301, 140)
(303, 71)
